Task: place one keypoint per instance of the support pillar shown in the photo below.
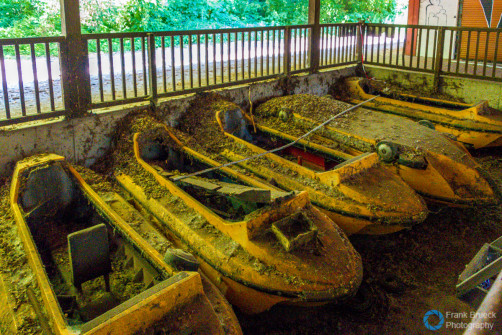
(74, 61)
(315, 38)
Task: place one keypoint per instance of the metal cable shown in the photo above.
(276, 149)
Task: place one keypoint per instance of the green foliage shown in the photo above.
(14, 11)
(99, 16)
(25, 18)
(375, 11)
(22, 18)
(284, 12)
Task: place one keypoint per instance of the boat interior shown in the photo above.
(91, 266)
(228, 197)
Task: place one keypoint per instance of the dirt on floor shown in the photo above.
(406, 274)
(14, 268)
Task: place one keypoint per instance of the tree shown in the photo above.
(14, 11)
(21, 18)
(375, 11)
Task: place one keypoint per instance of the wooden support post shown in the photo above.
(438, 66)
(287, 51)
(74, 61)
(315, 38)
(152, 65)
(359, 38)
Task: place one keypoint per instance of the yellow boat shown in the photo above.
(476, 126)
(94, 273)
(260, 247)
(437, 167)
(358, 194)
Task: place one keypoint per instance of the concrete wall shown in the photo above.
(471, 90)
(86, 139)
(437, 13)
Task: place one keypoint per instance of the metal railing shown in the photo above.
(454, 51)
(340, 44)
(215, 58)
(30, 88)
(118, 68)
(134, 67)
(45, 77)
(470, 54)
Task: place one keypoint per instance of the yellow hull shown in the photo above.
(251, 285)
(459, 183)
(369, 199)
(138, 313)
(466, 122)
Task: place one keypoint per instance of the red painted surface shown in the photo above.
(413, 15)
(307, 156)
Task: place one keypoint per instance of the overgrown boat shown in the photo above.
(261, 247)
(94, 273)
(476, 125)
(359, 194)
(437, 167)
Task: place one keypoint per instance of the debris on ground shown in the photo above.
(14, 268)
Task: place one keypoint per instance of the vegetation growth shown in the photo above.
(22, 18)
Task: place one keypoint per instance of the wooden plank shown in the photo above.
(314, 17)
(241, 192)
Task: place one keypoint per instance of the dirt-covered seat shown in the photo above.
(89, 255)
(47, 190)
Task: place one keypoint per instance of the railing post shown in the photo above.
(287, 51)
(74, 61)
(359, 39)
(315, 38)
(152, 66)
(438, 66)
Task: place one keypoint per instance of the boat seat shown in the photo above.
(235, 124)
(47, 189)
(89, 254)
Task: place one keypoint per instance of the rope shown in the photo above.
(361, 25)
(251, 108)
(276, 149)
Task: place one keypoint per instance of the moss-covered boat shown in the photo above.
(93, 272)
(260, 246)
(359, 194)
(437, 167)
(476, 126)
